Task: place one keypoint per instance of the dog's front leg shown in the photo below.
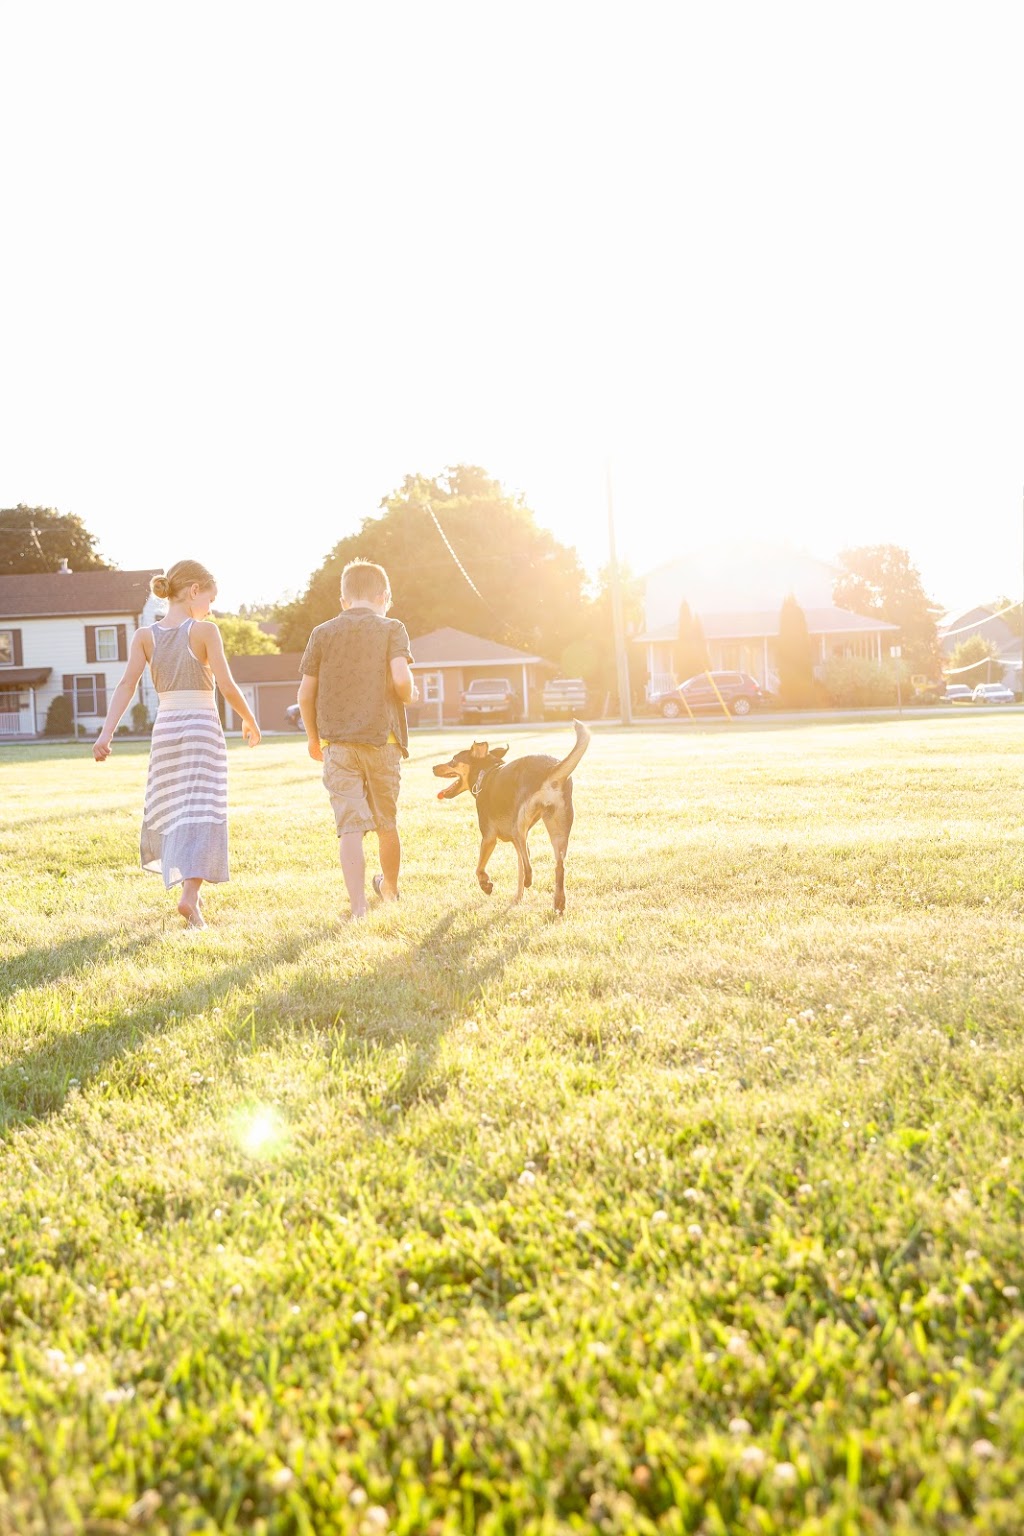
(486, 849)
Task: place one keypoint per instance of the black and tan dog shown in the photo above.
(512, 797)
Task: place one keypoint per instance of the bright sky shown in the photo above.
(259, 262)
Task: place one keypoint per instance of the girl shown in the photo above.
(185, 820)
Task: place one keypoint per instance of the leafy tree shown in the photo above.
(691, 650)
(531, 587)
(34, 539)
(795, 657)
(976, 649)
(243, 637)
(880, 582)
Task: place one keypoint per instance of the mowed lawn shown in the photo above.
(699, 1210)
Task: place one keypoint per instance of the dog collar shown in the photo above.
(475, 789)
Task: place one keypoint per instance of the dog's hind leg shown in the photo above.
(519, 843)
(525, 869)
(559, 825)
(486, 849)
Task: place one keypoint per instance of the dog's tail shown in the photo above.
(559, 774)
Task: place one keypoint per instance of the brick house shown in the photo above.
(447, 660)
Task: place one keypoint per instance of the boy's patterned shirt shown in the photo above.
(356, 700)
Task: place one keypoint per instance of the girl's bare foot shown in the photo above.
(192, 915)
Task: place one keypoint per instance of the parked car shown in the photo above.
(565, 698)
(738, 691)
(992, 693)
(957, 693)
(294, 717)
(489, 698)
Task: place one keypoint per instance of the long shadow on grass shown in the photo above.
(411, 998)
(34, 1085)
(47, 965)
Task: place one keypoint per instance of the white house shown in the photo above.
(987, 623)
(738, 591)
(68, 632)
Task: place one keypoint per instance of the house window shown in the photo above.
(433, 687)
(85, 695)
(6, 647)
(106, 642)
(10, 701)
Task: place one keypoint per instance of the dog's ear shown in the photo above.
(480, 749)
(498, 752)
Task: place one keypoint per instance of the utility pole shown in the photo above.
(618, 623)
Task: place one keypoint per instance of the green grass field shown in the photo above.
(697, 1211)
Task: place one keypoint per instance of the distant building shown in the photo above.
(737, 592)
(68, 632)
(446, 661)
(268, 683)
(960, 624)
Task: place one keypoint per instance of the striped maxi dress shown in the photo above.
(185, 820)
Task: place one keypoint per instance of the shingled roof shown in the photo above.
(454, 648)
(47, 595)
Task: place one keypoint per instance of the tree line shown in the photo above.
(463, 553)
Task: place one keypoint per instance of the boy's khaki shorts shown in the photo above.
(363, 784)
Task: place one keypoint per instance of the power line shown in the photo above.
(462, 569)
(458, 562)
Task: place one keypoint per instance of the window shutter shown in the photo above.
(90, 642)
(122, 642)
(17, 648)
(101, 693)
(69, 685)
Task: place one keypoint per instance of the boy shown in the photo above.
(355, 685)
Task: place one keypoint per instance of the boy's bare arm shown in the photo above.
(405, 683)
(307, 709)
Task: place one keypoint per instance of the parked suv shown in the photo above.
(738, 691)
(489, 698)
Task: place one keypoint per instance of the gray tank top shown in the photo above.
(174, 666)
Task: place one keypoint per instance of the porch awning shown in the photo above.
(23, 677)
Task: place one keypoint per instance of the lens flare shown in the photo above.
(260, 1131)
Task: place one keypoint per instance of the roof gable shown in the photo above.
(49, 594)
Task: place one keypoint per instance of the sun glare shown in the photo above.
(260, 1131)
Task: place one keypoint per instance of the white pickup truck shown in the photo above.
(489, 698)
(565, 698)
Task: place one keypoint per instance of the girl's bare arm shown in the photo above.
(210, 649)
(121, 696)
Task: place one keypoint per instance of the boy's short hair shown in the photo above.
(364, 582)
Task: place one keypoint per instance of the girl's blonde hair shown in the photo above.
(185, 574)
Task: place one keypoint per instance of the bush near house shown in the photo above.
(60, 720)
(853, 682)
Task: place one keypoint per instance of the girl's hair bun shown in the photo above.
(160, 587)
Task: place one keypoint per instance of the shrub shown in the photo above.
(141, 723)
(855, 682)
(795, 657)
(60, 717)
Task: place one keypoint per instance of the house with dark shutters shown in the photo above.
(68, 632)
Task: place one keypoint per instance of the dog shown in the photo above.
(511, 798)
